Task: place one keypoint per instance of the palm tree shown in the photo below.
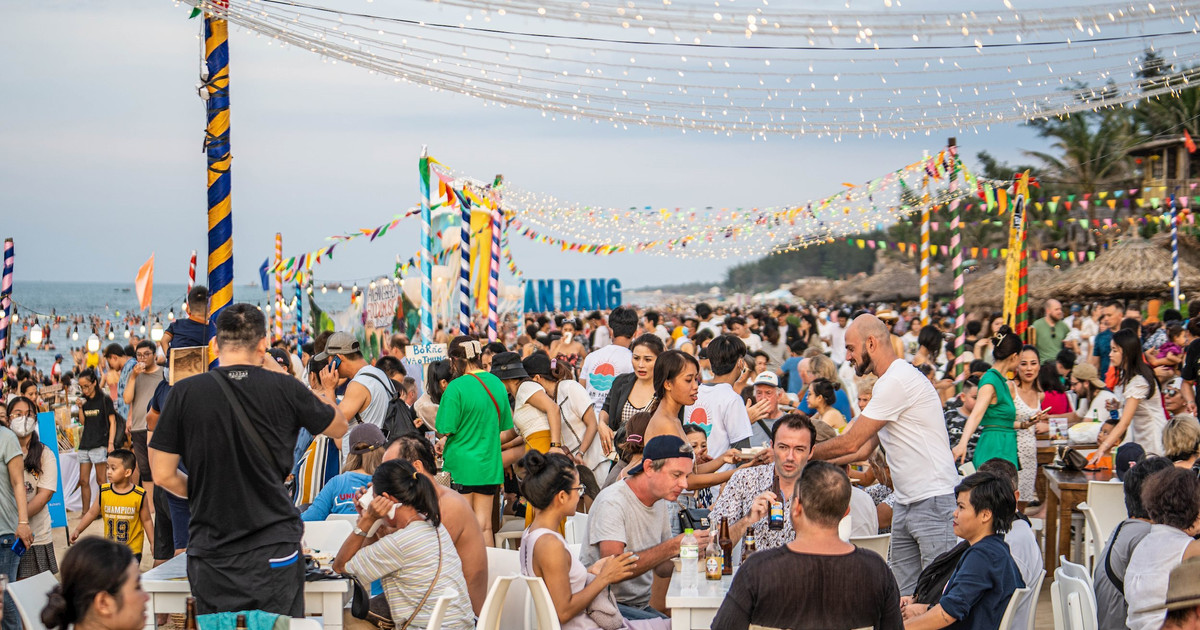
(1092, 150)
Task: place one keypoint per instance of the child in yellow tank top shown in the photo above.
(122, 505)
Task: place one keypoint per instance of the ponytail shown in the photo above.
(399, 479)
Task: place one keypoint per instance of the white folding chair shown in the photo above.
(1077, 602)
(1094, 541)
(30, 596)
(326, 536)
(509, 536)
(494, 604)
(439, 609)
(504, 563)
(879, 544)
(1010, 611)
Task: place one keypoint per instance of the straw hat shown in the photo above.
(887, 315)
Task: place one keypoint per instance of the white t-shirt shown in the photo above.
(723, 414)
(753, 343)
(837, 343)
(602, 338)
(864, 516)
(1098, 409)
(526, 418)
(915, 438)
(1149, 419)
(909, 339)
(713, 324)
(601, 367)
(573, 401)
(663, 334)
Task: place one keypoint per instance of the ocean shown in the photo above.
(112, 301)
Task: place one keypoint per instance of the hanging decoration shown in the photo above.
(1016, 266)
(6, 284)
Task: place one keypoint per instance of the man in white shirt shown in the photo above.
(719, 408)
(368, 392)
(837, 338)
(705, 313)
(654, 325)
(737, 327)
(905, 416)
(604, 365)
(600, 333)
(1022, 544)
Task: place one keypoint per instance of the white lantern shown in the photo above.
(93, 343)
(156, 332)
(35, 334)
(75, 336)
(171, 315)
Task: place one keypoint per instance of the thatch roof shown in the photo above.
(894, 281)
(815, 289)
(1189, 246)
(1133, 269)
(985, 290)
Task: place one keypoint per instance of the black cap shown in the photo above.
(663, 447)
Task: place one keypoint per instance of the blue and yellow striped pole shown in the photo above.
(216, 146)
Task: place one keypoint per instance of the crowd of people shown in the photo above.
(790, 426)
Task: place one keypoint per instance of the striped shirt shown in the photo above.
(405, 562)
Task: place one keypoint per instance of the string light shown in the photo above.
(658, 88)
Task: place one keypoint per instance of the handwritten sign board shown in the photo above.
(426, 353)
(381, 305)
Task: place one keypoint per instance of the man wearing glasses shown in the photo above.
(138, 393)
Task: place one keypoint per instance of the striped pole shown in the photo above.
(464, 267)
(1175, 253)
(6, 282)
(278, 286)
(494, 278)
(216, 147)
(425, 253)
(956, 253)
(298, 319)
(925, 212)
(192, 272)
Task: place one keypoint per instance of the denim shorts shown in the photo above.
(98, 455)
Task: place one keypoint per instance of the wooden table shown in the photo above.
(1066, 491)
(695, 610)
(168, 588)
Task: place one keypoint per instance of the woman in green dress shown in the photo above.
(994, 414)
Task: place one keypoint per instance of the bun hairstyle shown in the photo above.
(465, 351)
(1005, 343)
(826, 389)
(399, 479)
(635, 435)
(546, 474)
(93, 565)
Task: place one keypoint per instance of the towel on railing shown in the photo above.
(255, 620)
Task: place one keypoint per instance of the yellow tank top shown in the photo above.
(122, 514)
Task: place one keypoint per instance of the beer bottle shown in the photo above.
(189, 620)
(749, 544)
(712, 560)
(241, 622)
(726, 548)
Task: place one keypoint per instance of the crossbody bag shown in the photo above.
(248, 428)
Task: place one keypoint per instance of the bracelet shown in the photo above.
(22, 522)
(555, 445)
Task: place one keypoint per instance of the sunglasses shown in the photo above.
(1170, 391)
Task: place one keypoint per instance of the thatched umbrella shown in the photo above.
(815, 289)
(1189, 247)
(892, 281)
(985, 290)
(1133, 269)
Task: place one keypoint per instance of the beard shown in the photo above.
(861, 368)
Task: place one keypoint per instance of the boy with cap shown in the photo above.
(368, 392)
(634, 515)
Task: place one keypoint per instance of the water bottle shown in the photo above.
(689, 556)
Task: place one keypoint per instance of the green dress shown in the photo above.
(997, 438)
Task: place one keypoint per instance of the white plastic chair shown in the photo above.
(1028, 606)
(844, 528)
(349, 518)
(494, 604)
(576, 528)
(539, 608)
(879, 544)
(1010, 611)
(439, 610)
(1094, 540)
(30, 596)
(500, 596)
(509, 536)
(575, 549)
(326, 536)
(304, 623)
(1107, 502)
(1077, 571)
(1074, 603)
(966, 469)
(504, 563)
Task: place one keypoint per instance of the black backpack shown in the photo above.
(399, 419)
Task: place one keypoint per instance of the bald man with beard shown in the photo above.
(905, 417)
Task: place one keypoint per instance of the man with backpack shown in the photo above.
(370, 396)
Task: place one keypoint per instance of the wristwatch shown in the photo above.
(358, 531)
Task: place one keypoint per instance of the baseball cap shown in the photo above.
(338, 343)
(767, 378)
(1127, 457)
(663, 447)
(1086, 372)
(1183, 588)
(368, 434)
(280, 357)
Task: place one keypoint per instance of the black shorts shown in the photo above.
(489, 490)
(269, 578)
(164, 533)
(142, 456)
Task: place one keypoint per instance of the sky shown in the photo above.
(101, 161)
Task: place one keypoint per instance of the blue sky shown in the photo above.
(101, 162)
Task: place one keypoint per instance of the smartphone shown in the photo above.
(336, 362)
(19, 547)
